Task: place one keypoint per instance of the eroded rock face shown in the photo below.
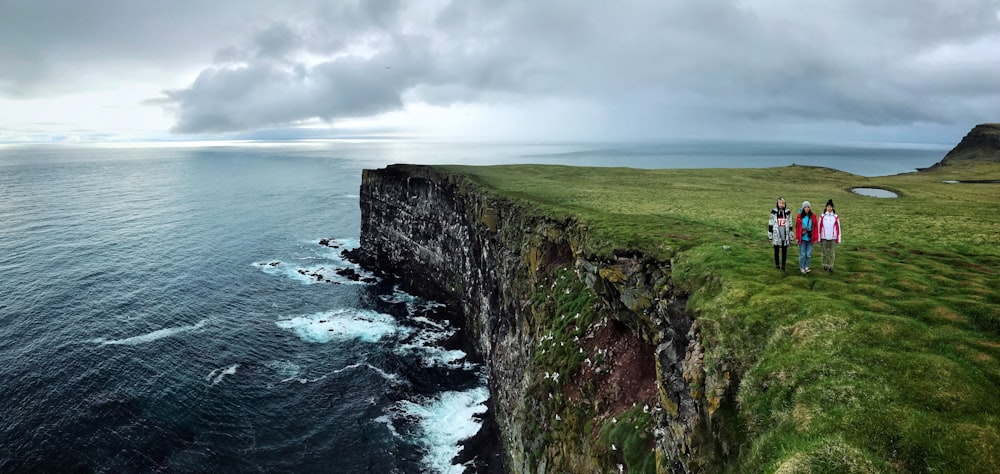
(448, 239)
(982, 143)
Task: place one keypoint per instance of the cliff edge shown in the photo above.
(593, 364)
(631, 321)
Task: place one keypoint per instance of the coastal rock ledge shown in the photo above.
(594, 365)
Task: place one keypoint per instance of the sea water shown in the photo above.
(170, 306)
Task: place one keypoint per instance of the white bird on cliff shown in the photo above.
(613, 447)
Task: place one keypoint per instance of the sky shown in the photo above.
(914, 71)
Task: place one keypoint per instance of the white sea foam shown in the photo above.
(437, 357)
(387, 421)
(394, 378)
(442, 325)
(414, 304)
(330, 262)
(427, 342)
(397, 296)
(432, 355)
(334, 248)
(317, 273)
(217, 375)
(152, 336)
(444, 421)
(286, 370)
(341, 244)
(343, 324)
(349, 367)
(305, 380)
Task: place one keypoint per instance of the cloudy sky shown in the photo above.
(861, 70)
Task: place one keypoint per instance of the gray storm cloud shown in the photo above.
(371, 61)
(268, 64)
(871, 63)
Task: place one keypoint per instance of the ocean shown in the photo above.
(170, 307)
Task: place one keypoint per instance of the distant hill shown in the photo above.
(982, 143)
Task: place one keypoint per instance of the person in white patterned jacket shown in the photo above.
(779, 232)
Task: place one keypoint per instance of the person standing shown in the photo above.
(829, 235)
(779, 231)
(806, 234)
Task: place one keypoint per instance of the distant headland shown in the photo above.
(982, 143)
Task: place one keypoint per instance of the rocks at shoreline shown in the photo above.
(348, 273)
(322, 274)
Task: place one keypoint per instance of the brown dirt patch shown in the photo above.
(556, 255)
(947, 314)
(979, 269)
(621, 374)
(983, 342)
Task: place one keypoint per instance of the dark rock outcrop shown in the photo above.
(497, 260)
(982, 143)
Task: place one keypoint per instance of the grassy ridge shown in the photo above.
(890, 364)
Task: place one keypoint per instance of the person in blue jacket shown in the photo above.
(806, 234)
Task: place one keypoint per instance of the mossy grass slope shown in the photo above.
(890, 364)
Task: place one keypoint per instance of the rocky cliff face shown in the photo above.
(982, 143)
(594, 365)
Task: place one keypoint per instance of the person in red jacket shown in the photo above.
(829, 235)
(806, 234)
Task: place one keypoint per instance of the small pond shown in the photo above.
(874, 192)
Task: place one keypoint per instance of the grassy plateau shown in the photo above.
(889, 364)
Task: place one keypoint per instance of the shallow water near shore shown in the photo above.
(172, 308)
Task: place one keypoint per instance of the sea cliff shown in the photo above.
(632, 320)
(982, 143)
(594, 365)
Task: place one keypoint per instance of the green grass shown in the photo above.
(891, 364)
(630, 438)
(564, 311)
